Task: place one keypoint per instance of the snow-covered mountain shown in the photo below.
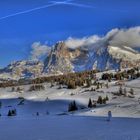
(22, 69)
(63, 59)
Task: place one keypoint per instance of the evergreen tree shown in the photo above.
(90, 103)
(104, 101)
(107, 99)
(75, 106)
(72, 106)
(100, 100)
(9, 113)
(12, 112)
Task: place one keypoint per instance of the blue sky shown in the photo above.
(58, 22)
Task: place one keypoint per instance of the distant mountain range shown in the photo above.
(65, 59)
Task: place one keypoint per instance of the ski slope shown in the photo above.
(56, 123)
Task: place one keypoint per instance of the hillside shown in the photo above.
(46, 109)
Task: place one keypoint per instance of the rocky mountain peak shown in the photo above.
(65, 59)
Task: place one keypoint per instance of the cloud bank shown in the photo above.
(129, 37)
(116, 37)
(39, 51)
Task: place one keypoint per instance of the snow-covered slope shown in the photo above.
(56, 101)
(56, 123)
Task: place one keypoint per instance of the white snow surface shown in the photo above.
(69, 128)
(55, 123)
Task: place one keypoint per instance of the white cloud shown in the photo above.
(85, 41)
(116, 37)
(75, 42)
(129, 37)
(38, 50)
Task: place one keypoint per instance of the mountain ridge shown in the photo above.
(63, 59)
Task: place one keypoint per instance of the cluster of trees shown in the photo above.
(100, 100)
(37, 87)
(72, 106)
(121, 75)
(123, 91)
(14, 83)
(91, 103)
(74, 80)
(12, 112)
(71, 80)
(18, 89)
(7, 84)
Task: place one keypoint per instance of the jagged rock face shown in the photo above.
(22, 69)
(63, 59)
(59, 60)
